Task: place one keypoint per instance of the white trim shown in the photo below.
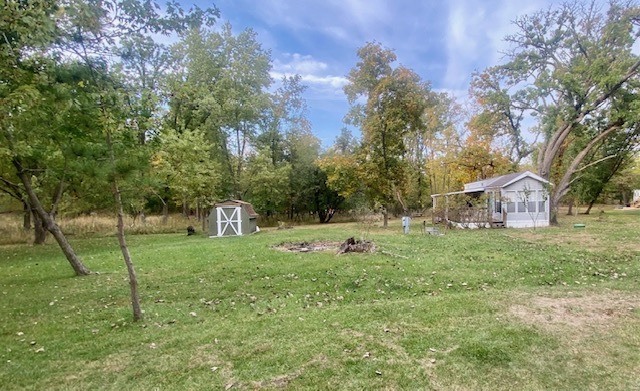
(524, 175)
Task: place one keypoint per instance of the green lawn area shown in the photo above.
(551, 309)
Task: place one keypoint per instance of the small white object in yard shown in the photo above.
(366, 355)
(40, 350)
(379, 373)
(213, 369)
(193, 314)
(20, 333)
(433, 361)
(152, 345)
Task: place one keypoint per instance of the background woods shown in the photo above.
(96, 103)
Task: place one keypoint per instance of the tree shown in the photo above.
(606, 161)
(568, 65)
(28, 30)
(267, 184)
(218, 86)
(395, 103)
(182, 164)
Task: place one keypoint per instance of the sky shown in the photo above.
(443, 41)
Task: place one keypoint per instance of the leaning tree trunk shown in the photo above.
(50, 224)
(133, 280)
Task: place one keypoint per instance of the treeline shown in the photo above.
(93, 106)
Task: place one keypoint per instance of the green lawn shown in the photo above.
(550, 309)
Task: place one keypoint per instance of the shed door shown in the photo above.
(229, 221)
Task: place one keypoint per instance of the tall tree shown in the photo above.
(568, 65)
(28, 31)
(219, 86)
(395, 102)
(182, 164)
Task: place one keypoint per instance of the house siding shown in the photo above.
(523, 211)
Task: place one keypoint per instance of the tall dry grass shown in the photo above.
(95, 225)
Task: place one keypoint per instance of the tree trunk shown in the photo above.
(385, 216)
(165, 212)
(570, 211)
(589, 207)
(133, 280)
(39, 230)
(562, 187)
(78, 267)
(26, 216)
(185, 207)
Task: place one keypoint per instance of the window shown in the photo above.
(531, 206)
(542, 207)
(521, 208)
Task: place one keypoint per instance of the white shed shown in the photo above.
(232, 218)
(516, 200)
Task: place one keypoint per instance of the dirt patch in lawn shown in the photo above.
(348, 246)
(582, 315)
(305, 247)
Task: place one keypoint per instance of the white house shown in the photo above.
(515, 200)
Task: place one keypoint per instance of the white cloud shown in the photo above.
(313, 72)
(298, 63)
(476, 33)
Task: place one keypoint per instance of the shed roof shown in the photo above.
(246, 205)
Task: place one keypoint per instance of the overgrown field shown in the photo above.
(550, 309)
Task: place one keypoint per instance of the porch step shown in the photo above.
(497, 224)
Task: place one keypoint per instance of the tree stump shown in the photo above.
(356, 246)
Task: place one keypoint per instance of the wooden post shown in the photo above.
(446, 209)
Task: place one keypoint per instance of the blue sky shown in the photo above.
(443, 41)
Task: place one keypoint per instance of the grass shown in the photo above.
(554, 308)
